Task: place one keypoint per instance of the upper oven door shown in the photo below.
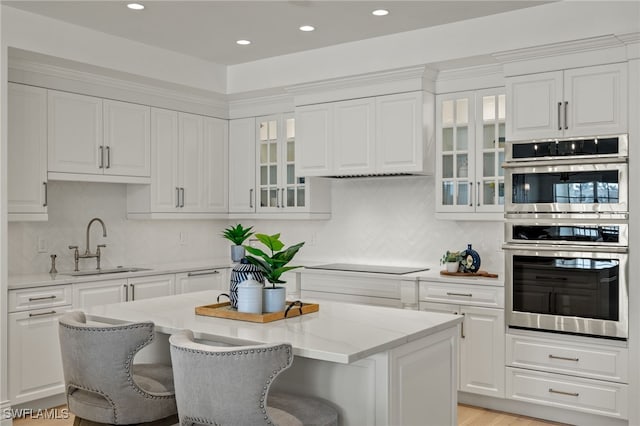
(554, 187)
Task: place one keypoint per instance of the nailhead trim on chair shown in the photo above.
(264, 389)
(128, 363)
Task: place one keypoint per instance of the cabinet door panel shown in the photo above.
(149, 287)
(191, 136)
(354, 137)
(127, 139)
(164, 165)
(482, 347)
(534, 106)
(213, 279)
(216, 162)
(399, 144)
(35, 363)
(242, 163)
(314, 154)
(100, 293)
(597, 100)
(74, 133)
(27, 149)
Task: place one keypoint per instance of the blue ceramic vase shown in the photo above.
(240, 273)
(470, 260)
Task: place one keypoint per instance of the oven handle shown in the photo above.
(565, 247)
(564, 162)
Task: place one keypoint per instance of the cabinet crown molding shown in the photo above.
(558, 49)
(364, 85)
(58, 77)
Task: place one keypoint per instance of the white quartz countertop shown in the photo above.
(338, 332)
(44, 279)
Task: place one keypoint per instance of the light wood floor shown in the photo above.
(467, 416)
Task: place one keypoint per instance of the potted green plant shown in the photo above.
(273, 265)
(237, 235)
(451, 259)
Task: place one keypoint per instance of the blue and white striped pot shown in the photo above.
(240, 273)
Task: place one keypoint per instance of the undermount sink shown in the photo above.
(105, 271)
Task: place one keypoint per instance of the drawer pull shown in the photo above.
(196, 274)
(449, 293)
(33, 299)
(42, 313)
(564, 358)
(551, 390)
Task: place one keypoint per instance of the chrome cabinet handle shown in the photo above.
(450, 293)
(42, 313)
(126, 293)
(108, 157)
(563, 358)
(478, 194)
(182, 192)
(31, 299)
(559, 119)
(133, 291)
(177, 197)
(198, 274)
(462, 336)
(251, 198)
(101, 158)
(551, 390)
(282, 198)
(470, 194)
(566, 122)
(46, 194)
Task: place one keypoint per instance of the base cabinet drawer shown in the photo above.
(591, 361)
(39, 297)
(476, 295)
(574, 393)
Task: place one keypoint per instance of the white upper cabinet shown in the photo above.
(75, 133)
(470, 138)
(127, 140)
(189, 168)
(354, 136)
(587, 101)
(27, 152)
(374, 135)
(242, 165)
(399, 133)
(89, 136)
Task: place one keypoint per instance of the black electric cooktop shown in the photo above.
(380, 269)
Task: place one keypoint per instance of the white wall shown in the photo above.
(375, 220)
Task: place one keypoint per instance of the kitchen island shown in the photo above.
(378, 366)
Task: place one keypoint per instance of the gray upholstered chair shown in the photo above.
(230, 386)
(103, 385)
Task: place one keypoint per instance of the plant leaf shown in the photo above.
(271, 241)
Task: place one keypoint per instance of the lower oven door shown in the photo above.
(567, 289)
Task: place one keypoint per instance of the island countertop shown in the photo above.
(338, 332)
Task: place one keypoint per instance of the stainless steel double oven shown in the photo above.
(566, 235)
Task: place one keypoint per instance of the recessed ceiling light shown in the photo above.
(243, 42)
(307, 28)
(135, 6)
(380, 12)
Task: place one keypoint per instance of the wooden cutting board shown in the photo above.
(470, 274)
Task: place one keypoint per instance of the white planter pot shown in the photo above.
(273, 299)
(237, 253)
(452, 266)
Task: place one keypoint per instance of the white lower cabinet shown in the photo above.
(587, 376)
(482, 341)
(86, 295)
(152, 286)
(206, 279)
(35, 365)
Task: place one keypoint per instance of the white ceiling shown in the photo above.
(209, 29)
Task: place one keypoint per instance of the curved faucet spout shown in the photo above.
(104, 231)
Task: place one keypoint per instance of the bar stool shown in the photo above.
(230, 385)
(103, 385)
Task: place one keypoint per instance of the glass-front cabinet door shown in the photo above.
(470, 137)
(278, 187)
(490, 140)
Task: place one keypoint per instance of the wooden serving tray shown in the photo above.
(470, 274)
(224, 310)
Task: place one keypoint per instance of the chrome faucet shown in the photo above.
(87, 253)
